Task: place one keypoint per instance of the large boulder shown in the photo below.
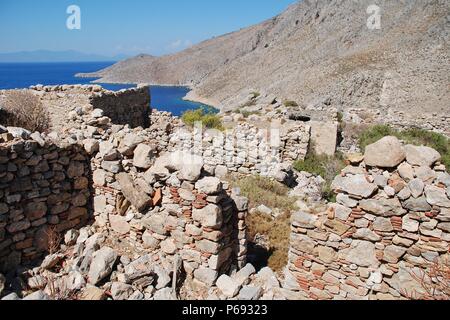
(228, 286)
(137, 197)
(189, 165)
(392, 254)
(406, 280)
(250, 293)
(383, 207)
(356, 185)
(417, 204)
(19, 132)
(107, 151)
(139, 269)
(92, 294)
(91, 146)
(421, 156)
(119, 224)
(143, 156)
(243, 275)
(324, 136)
(206, 276)
(129, 143)
(102, 265)
(366, 234)
(386, 153)
(416, 186)
(121, 291)
(36, 296)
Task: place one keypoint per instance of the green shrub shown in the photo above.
(411, 136)
(247, 114)
(427, 138)
(375, 133)
(255, 94)
(209, 120)
(290, 103)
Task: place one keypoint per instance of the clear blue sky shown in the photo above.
(111, 27)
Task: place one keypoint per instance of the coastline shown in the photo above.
(191, 96)
(194, 97)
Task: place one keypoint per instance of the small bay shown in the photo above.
(24, 75)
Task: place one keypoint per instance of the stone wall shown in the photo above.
(247, 149)
(44, 188)
(159, 203)
(358, 119)
(390, 224)
(131, 106)
(127, 106)
(173, 212)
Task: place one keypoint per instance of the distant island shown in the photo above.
(55, 56)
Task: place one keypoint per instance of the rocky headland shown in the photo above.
(317, 51)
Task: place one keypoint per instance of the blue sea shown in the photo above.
(23, 75)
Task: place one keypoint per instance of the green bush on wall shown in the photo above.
(208, 119)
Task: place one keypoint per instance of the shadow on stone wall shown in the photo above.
(44, 191)
(126, 107)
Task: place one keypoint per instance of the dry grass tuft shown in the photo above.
(25, 110)
(265, 191)
(278, 232)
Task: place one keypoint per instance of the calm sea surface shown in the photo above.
(23, 75)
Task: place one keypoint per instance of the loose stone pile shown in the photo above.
(390, 222)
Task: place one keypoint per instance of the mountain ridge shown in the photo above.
(55, 56)
(316, 51)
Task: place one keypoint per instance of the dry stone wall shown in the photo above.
(162, 204)
(131, 106)
(174, 213)
(247, 149)
(44, 188)
(127, 106)
(390, 225)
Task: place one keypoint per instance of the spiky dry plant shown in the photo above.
(25, 110)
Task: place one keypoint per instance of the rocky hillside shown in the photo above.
(317, 51)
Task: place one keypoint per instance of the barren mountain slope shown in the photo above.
(316, 51)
